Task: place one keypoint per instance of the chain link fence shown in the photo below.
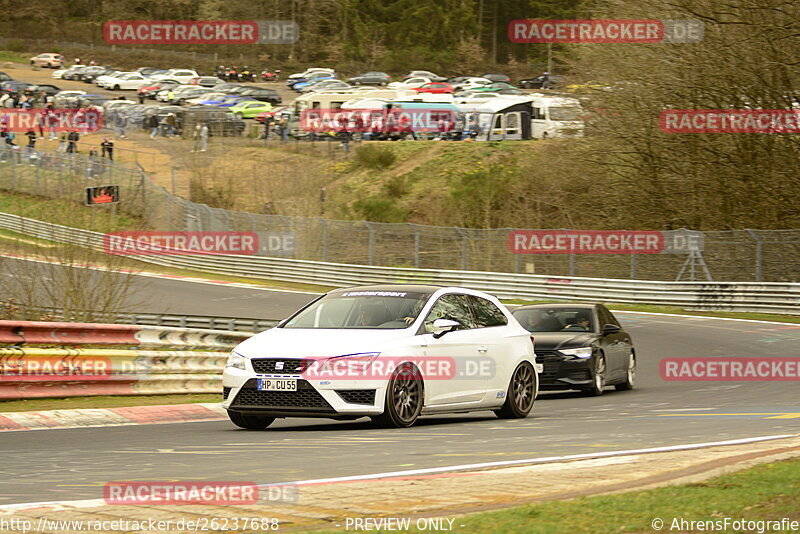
(735, 255)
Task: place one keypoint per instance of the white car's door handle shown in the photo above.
(482, 348)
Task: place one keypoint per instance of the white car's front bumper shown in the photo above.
(314, 397)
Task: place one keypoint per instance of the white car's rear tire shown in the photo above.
(521, 393)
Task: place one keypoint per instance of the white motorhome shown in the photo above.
(556, 116)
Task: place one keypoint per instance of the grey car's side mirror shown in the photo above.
(611, 329)
(443, 326)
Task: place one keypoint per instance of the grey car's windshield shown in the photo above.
(361, 309)
(555, 319)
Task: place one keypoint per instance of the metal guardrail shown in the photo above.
(49, 359)
(206, 322)
(767, 297)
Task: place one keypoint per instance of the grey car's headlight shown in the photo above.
(236, 361)
(582, 352)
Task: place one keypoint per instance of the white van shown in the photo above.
(556, 116)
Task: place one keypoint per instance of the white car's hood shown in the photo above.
(305, 342)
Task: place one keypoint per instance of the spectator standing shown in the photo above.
(152, 123)
(172, 123)
(31, 139)
(122, 122)
(62, 145)
(72, 140)
(204, 137)
(107, 148)
(196, 137)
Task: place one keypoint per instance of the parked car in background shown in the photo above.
(128, 82)
(191, 94)
(261, 93)
(228, 86)
(296, 76)
(150, 91)
(206, 81)
(150, 71)
(581, 346)
(182, 75)
(370, 78)
(5, 77)
(424, 74)
(49, 61)
(299, 83)
(91, 100)
(233, 100)
(495, 87)
(274, 113)
(379, 352)
(543, 81)
(205, 99)
(469, 82)
(14, 87)
(437, 88)
(90, 74)
(325, 85)
(177, 92)
(65, 99)
(249, 108)
(497, 77)
(49, 90)
(409, 83)
(72, 72)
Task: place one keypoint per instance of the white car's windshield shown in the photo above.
(362, 309)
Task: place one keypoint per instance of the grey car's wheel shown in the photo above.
(250, 422)
(630, 375)
(521, 393)
(598, 377)
(116, 87)
(404, 398)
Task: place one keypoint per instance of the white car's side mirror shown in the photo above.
(443, 326)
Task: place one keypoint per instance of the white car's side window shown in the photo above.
(453, 307)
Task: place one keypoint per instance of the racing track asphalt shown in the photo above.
(74, 463)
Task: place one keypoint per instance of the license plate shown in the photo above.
(277, 384)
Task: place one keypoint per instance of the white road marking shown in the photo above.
(88, 503)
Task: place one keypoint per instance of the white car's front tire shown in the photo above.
(405, 396)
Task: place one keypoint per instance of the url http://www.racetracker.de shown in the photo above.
(202, 524)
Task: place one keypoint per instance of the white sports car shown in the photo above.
(389, 352)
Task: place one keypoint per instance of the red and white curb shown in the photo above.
(94, 417)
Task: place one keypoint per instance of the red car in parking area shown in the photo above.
(437, 88)
(274, 113)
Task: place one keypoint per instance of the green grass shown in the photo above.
(66, 212)
(765, 492)
(104, 401)
(675, 310)
(14, 57)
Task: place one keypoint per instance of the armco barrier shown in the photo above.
(53, 333)
(768, 297)
(36, 373)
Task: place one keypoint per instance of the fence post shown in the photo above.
(759, 254)
(634, 264)
(416, 244)
(324, 239)
(371, 243)
(464, 248)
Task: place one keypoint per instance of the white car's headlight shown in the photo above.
(349, 363)
(236, 361)
(583, 352)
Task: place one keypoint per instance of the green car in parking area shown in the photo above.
(497, 87)
(249, 109)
